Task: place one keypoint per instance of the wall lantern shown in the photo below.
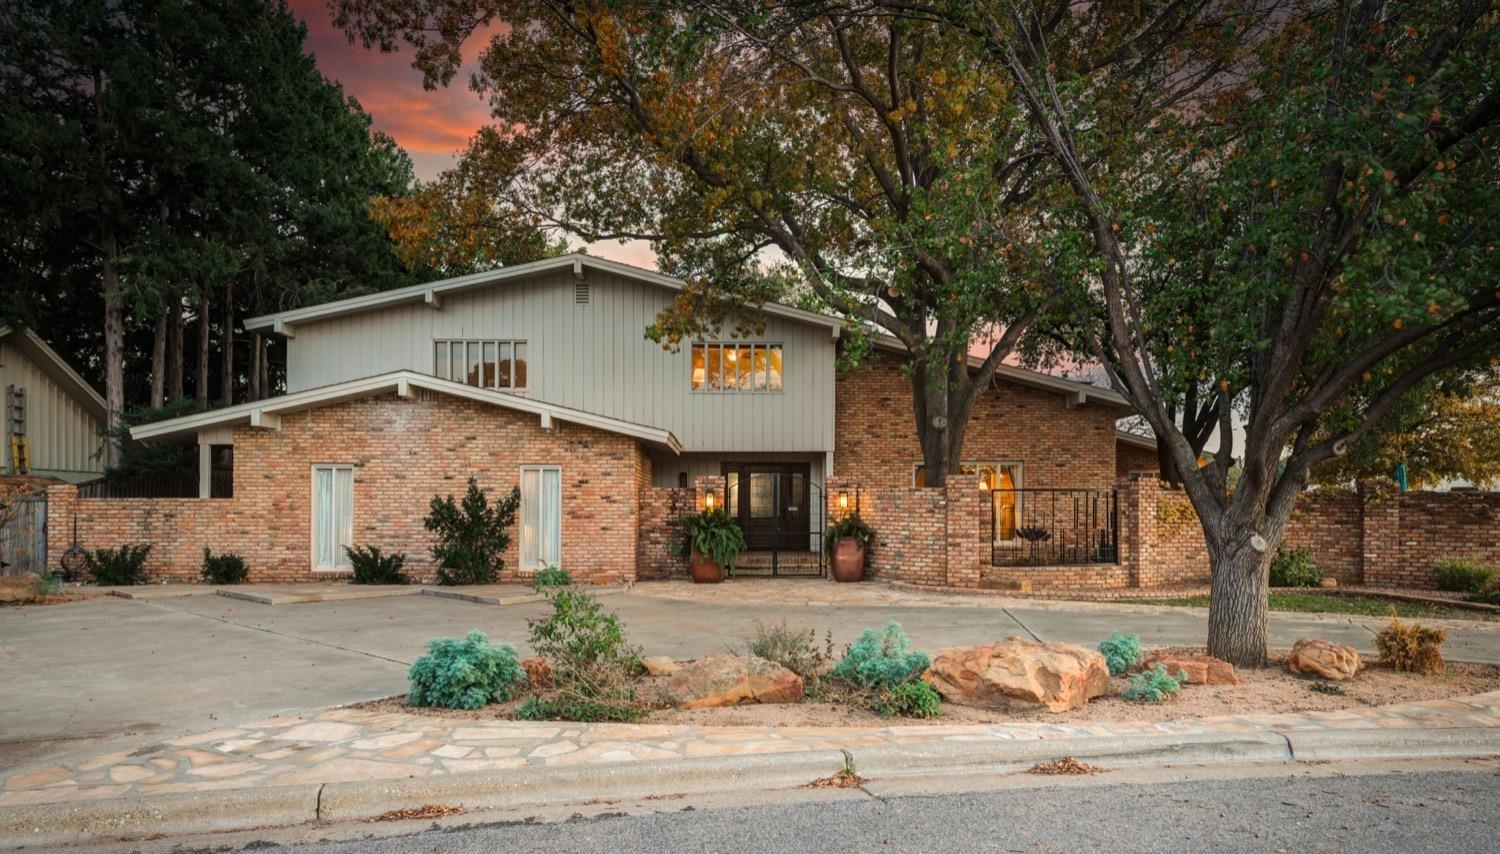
(708, 500)
(984, 481)
(844, 502)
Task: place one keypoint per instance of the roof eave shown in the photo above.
(58, 369)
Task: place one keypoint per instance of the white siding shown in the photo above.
(591, 357)
(63, 436)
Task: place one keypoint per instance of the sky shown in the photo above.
(432, 126)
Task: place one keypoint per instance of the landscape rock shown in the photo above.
(1323, 658)
(1201, 669)
(660, 665)
(1020, 672)
(1328, 583)
(538, 672)
(724, 680)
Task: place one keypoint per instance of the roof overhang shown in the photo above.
(285, 323)
(31, 345)
(1077, 393)
(266, 414)
(1136, 440)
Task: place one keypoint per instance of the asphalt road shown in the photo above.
(1433, 811)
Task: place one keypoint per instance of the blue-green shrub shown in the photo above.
(1121, 652)
(881, 660)
(1154, 685)
(464, 674)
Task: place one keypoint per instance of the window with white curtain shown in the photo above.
(541, 517)
(332, 516)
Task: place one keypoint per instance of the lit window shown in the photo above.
(1000, 479)
(485, 363)
(736, 367)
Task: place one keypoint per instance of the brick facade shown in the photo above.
(1132, 458)
(403, 452)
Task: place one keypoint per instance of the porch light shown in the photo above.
(708, 500)
(844, 501)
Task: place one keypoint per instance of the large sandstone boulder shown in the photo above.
(724, 680)
(1201, 669)
(1016, 671)
(1323, 658)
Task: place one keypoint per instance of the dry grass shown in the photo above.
(426, 811)
(1065, 765)
(845, 779)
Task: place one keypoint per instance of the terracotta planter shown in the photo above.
(848, 560)
(704, 570)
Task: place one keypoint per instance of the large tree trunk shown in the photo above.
(227, 385)
(942, 419)
(175, 349)
(200, 384)
(1237, 607)
(114, 350)
(159, 361)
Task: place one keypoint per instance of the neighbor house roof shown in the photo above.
(31, 345)
(285, 322)
(267, 413)
(1079, 393)
(1136, 439)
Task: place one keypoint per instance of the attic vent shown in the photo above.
(581, 293)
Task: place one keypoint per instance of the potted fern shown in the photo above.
(712, 542)
(845, 545)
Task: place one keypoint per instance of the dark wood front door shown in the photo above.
(771, 502)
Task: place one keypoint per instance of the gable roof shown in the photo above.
(1078, 393)
(31, 345)
(267, 413)
(285, 322)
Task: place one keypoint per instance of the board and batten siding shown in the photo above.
(63, 436)
(592, 357)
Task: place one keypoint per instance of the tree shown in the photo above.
(1309, 230)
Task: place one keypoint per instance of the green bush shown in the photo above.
(1121, 652)
(549, 577)
(122, 566)
(1462, 575)
(1294, 568)
(1488, 597)
(849, 526)
(881, 660)
(1154, 685)
(913, 700)
(711, 533)
(372, 567)
(46, 584)
(471, 535)
(794, 649)
(226, 568)
(593, 664)
(464, 673)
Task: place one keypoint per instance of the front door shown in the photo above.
(770, 501)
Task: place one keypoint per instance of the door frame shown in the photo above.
(791, 530)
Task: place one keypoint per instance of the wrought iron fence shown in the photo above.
(783, 516)
(1054, 527)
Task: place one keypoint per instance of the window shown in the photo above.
(541, 517)
(737, 367)
(1003, 477)
(332, 516)
(486, 364)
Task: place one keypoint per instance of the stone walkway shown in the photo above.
(347, 745)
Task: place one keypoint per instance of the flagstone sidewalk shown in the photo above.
(349, 745)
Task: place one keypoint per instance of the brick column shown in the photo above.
(1138, 494)
(968, 533)
(62, 498)
(1380, 534)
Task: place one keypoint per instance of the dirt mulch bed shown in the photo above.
(1270, 690)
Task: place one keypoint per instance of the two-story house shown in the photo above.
(539, 377)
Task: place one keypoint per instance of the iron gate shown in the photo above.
(782, 514)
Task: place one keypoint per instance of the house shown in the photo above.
(53, 418)
(538, 377)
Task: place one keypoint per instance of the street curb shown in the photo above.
(1312, 746)
(1107, 750)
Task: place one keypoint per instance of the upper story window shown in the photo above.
(483, 363)
(737, 367)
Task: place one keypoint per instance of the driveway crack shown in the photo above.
(280, 634)
(1034, 636)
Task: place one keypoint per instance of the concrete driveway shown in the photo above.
(113, 671)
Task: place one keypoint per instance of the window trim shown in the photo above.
(312, 515)
(736, 344)
(521, 523)
(513, 342)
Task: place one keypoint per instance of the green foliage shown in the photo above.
(1325, 687)
(471, 535)
(1153, 686)
(848, 526)
(711, 533)
(913, 700)
(464, 674)
(1488, 597)
(881, 659)
(593, 664)
(794, 649)
(226, 568)
(1294, 568)
(1463, 575)
(549, 577)
(1121, 652)
(372, 567)
(1412, 647)
(46, 584)
(122, 566)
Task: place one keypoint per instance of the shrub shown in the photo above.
(46, 584)
(1461, 575)
(1488, 597)
(372, 567)
(849, 526)
(226, 568)
(1121, 652)
(1411, 647)
(913, 700)
(125, 565)
(711, 533)
(471, 535)
(881, 660)
(1153, 686)
(1294, 568)
(549, 577)
(464, 673)
(592, 662)
(794, 649)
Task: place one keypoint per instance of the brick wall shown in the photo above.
(1405, 535)
(403, 452)
(1130, 458)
